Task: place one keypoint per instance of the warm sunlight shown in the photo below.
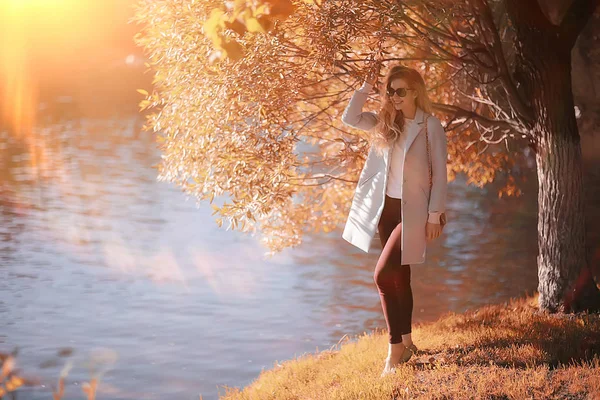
(15, 74)
(44, 40)
(27, 27)
(238, 199)
(35, 3)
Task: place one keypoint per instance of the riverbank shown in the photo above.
(506, 351)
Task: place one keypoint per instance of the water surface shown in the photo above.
(117, 270)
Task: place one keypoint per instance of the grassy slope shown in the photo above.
(507, 351)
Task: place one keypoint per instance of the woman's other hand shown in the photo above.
(432, 231)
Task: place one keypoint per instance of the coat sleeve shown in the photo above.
(353, 114)
(439, 158)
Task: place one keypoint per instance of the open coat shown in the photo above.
(417, 202)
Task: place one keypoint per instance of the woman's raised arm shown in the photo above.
(354, 116)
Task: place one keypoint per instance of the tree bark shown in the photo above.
(561, 215)
(561, 219)
(544, 72)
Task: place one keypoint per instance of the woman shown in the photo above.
(393, 193)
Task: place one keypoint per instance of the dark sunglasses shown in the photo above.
(400, 91)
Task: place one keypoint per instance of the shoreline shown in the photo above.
(510, 350)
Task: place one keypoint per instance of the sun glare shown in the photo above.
(35, 3)
(34, 34)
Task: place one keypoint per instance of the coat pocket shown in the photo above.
(367, 179)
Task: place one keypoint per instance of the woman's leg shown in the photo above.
(393, 284)
(392, 278)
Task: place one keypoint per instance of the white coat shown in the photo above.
(417, 201)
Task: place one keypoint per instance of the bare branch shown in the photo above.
(514, 97)
(430, 28)
(424, 35)
(496, 107)
(321, 176)
(461, 112)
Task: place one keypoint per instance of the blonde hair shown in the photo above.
(390, 123)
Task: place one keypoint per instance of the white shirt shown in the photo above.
(394, 183)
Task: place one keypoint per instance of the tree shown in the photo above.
(255, 112)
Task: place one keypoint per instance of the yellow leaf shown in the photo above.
(14, 383)
(17, 380)
(142, 91)
(254, 25)
(214, 23)
(218, 41)
(262, 9)
(144, 104)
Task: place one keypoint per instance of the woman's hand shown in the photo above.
(373, 74)
(432, 231)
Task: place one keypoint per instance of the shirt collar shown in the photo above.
(419, 117)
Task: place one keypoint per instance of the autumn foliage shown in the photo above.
(249, 95)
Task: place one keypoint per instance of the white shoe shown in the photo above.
(387, 371)
(407, 354)
(413, 348)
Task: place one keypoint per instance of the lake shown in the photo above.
(107, 270)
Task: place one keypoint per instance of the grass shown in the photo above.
(507, 351)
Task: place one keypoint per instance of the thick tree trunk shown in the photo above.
(544, 70)
(561, 220)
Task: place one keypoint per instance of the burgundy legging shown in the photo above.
(392, 278)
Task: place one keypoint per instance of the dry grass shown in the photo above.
(508, 351)
(11, 379)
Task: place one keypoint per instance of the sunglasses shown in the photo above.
(400, 91)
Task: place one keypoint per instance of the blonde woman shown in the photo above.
(393, 193)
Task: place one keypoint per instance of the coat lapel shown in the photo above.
(419, 118)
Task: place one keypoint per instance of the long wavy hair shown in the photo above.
(391, 122)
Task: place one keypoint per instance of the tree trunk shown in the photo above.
(544, 71)
(561, 219)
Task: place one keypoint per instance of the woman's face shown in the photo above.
(402, 103)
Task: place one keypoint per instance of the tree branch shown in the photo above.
(321, 176)
(412, 24)
(429, 27)
(514, 96)
(461, 112)
(575, 19)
